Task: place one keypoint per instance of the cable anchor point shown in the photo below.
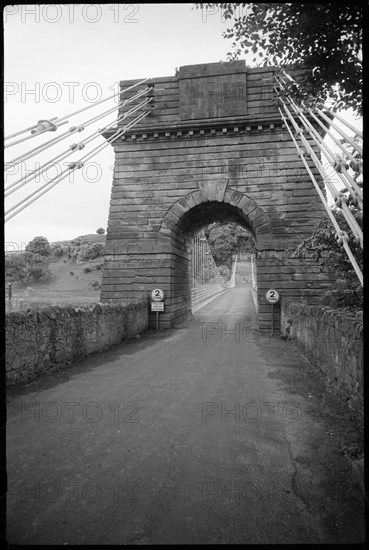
(44, 124)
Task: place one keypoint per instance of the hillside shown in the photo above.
(82, 239)
(73, 281)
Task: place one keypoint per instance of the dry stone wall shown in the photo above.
(42, 340)
(334, 342)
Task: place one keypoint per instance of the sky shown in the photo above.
(59, 58)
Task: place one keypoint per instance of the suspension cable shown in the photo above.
(348, 139)
(120, 92)
(37, 172)
(78, 164)
(338, 197)
(332, 113)
(45, 125)
(326, 130)
(350, 184)
(74, 129)
(340, 131)
(26, 130)
(347, 213)
(13, 187)
(341, 236)
(350, 126)
(337, 142)
(29, 200)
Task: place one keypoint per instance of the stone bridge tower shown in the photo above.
(214, 149)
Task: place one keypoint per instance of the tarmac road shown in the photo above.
(195, 435)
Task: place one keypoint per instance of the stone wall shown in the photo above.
(45, 339)
(333, 341)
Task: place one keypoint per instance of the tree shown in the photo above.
(228, 239)
(323, 38)
(27, 267)
(100, 231)
(39, 245)
(15, 267)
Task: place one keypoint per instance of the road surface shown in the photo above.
(203, 434)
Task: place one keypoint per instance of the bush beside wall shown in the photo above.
(41, 340)
(333, 341)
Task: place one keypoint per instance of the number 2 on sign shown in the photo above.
(272, 296)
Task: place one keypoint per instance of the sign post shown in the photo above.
(157, 304)
(273, 298)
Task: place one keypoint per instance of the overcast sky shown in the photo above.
(59, 58)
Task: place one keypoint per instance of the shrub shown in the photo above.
(91, 251)
(344, 294)
(57, 251)
(346, 291)
(41, 273)
(72, 252)
(39, 245)
(87, 269)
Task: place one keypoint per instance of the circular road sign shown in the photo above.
(157, 295)
(272, 296)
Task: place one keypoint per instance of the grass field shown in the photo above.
(69, 284)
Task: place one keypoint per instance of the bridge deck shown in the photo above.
(151, 452)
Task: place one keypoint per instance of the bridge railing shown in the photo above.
(203, 292)
(207, 281)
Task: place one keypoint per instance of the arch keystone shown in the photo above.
(221, 187)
